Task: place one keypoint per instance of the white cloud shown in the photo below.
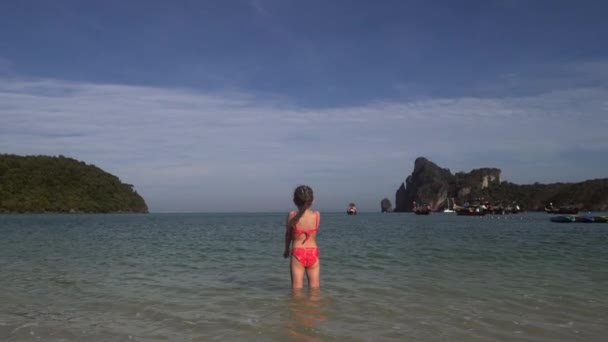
(219, 145)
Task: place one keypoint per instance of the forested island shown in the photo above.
(434, 185)
(38, 184)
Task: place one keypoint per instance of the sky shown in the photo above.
(215, 106)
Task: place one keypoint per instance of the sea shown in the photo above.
(222, 277)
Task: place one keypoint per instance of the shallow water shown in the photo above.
(221, 277)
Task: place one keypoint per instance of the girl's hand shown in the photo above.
(286, 254)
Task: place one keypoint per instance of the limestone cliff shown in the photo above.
(386, 206)
(477, 179)
(432, 184)
(428, 183)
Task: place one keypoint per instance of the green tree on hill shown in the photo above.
(60, 184)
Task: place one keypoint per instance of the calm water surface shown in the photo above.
(221, 277)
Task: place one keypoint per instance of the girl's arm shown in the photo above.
(288, 234)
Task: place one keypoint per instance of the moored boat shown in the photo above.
(447, 207)
(570, 209)
(515, 209)
(561, 219)
(423, 209)
(352, 209)
(470, 211)
(579, 219)
(600, 219)
(584, 219)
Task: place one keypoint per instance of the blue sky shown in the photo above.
(223, 106)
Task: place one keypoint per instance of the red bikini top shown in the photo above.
(306, 232)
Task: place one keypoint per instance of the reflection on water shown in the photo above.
(306, 310)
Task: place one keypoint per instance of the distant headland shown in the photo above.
(38, 184)
(434, 186)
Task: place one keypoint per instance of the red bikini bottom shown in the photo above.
(307, 256)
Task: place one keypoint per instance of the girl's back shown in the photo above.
(305, 230)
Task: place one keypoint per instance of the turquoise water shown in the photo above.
(221, 277)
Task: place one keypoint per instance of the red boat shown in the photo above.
(352, 209)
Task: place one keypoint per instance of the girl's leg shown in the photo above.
(313, 275)
(297, 274)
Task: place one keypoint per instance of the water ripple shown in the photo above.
(217, 277)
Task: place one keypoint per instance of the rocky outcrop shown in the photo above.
(432, 184)
(428, 183)
(477, 179)
(386, 206)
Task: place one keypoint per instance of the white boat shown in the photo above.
(447, 207)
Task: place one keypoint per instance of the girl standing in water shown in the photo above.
(301, 234)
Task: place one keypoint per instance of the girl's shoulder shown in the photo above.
(294, 213)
